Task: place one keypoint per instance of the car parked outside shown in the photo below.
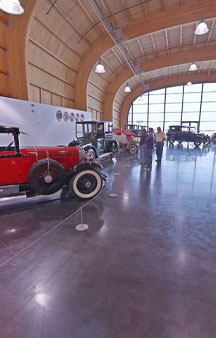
(96, 138)
(45, 170)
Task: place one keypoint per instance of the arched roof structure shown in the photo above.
(49, 53)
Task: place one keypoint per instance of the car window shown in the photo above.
(84, 129)
(7, 143)
(100, 129)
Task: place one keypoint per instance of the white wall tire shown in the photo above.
(86, 184)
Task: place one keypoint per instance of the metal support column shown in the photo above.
(148, 112)
(201, 99)
(182, 108)
(164, 117)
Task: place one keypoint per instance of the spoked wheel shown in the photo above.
(46, 177)
(197, 141)
(172, 139)
(86, 184)
(206, 140)
(133, 149)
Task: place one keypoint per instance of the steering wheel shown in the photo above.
(8, 147)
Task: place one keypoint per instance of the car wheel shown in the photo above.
(172, 139)
(133, 149)
(206, 140)
(197, 141)
(46, 177)
(86, 184)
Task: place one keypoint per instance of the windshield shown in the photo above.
(7, 142)
(85, 129)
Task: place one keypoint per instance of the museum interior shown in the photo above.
(107, 223)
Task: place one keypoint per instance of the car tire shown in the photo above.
(86, 184)
(133, 149)
(206, 140)
(197, 141)
(172, 139)
(46, 177)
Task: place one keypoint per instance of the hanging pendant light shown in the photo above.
(11, 7)
(127, 89)
(201, 28)
(193, 67)
(189, 84)
(99, 68)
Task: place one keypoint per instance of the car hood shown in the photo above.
(48, 150)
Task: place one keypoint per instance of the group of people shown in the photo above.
(146, 146)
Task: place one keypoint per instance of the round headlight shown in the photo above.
(90, 156)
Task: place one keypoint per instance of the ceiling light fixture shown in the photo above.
(193, 67)
(201, 28)
(11, 7)
(127, 89)
(99, 68)
(189, 84)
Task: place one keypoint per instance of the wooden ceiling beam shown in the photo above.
(210, 32)
(155, 21)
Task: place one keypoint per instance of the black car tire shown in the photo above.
(86, 184)
(133, 149)
(206, 140)
(172, 139)
(46, 177)
(197, 141)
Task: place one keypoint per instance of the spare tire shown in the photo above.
(46, 177)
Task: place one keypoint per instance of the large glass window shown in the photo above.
(174, 105)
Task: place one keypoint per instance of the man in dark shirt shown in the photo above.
(149, 140)
(143, 146)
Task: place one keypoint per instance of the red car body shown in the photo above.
(14, 168)
(45, 170)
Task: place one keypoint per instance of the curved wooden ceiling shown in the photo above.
(63, 43)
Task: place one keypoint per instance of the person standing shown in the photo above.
(143, 146)
(160, 137)
(149, 146)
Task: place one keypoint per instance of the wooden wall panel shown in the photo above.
(67, 103)
(35, 93)
(45, 81)
(39, 57)
(4, 85)
(56, 100)
(46, 97)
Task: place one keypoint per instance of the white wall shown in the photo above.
(40, 122)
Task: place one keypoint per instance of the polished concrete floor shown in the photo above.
(145, 268)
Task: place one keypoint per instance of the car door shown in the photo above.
(9, 160)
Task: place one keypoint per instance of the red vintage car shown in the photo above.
(45, 170)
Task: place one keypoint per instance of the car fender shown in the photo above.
(85, 166)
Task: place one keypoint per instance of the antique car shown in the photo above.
(183, 133)
(96, 137)
(45, 170)
(134, 139)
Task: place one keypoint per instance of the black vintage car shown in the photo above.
(183, 133)
(96, 138)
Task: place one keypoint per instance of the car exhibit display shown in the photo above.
(183, 133)
(96, 137)
(134, 140)
(45, 170)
